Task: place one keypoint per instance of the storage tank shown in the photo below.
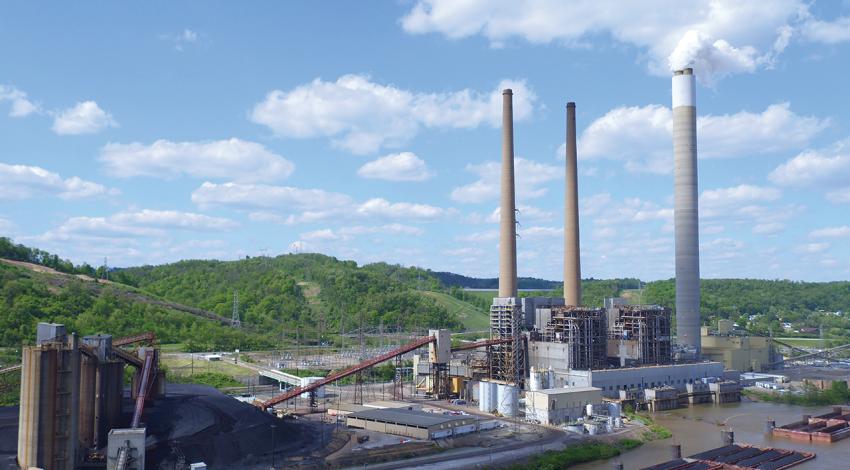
(508, 396)
(534, 380)
(483, 396)
(550, 378)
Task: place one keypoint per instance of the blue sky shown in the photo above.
(370, 131)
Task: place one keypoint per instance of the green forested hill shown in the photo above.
(270, 296)
(87, 307)
(809, 304)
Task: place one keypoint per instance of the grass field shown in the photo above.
(182, 365)
(471, 317)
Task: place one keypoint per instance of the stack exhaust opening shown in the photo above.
(686, 216)
(572, 254)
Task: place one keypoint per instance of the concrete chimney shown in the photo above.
(572, 255)
(686, 212)
(507, 213)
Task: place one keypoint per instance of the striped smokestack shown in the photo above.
(572, 255)
(507, 213)
(686, 212)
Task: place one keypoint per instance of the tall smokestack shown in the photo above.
(507, 213)
(572, 255)
(685, 213)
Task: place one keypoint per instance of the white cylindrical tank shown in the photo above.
(483, 396)
(589, 409)
(550, 378)
(508, 396)
(534, 380)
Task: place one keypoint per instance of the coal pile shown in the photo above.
(203, 424)
(8, 437)
(196, 423)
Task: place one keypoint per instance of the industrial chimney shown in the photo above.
(507, 213)
(686, 212)
(572, 255)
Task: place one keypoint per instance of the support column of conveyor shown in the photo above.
(295, 391)
(686, 215)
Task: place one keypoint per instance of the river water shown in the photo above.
(697, 428)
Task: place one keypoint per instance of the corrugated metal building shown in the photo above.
(560, 405)
(412, 423)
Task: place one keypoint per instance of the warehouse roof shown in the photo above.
(407, 417)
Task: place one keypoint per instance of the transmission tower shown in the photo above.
(234, 318)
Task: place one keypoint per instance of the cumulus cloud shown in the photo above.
(85, 117)
(827, 32)
(716, 202)
(529, 176)
(21, 105)
(720, 37)
(524, 213)
(831, 232)
(261, 196)
(405, 166)
(349, 232)
(307, 205)
(23, 182)
(641, 136)
(362, 116)
(145, 223)
(232, 159)
(816, 168)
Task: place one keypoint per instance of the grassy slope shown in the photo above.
(472, 318)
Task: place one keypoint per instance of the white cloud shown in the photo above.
(540, 232)
(524, 213)
(718, 202)
(145, 223)
(232, 159)
(478, 237)
(307, 205)
(642, 136)
(839, 196)
(593, 205)
(816, 168)
(719, 36)
(348, 232)
(529, 177)
(21, 105)
(811, 248)
(828, 32)
(286, 198)
(769, 228)
(85, 117)
(379, 207)
(362, 116)
(405, 166)
(182, 39)
(831, 232)
(23, 181)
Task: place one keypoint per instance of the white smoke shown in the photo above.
(713, 59)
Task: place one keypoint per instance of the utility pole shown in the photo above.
(234, 318)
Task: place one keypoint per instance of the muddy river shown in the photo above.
(697, 428)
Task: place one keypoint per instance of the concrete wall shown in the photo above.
(542, 355)
(613, 380)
